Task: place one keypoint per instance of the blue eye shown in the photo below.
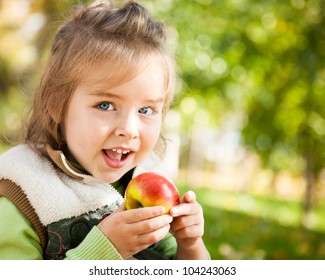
(147, 110)
(105, 106)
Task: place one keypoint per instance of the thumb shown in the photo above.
(188, 197)
(121, 208)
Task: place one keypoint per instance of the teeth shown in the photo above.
(119, 151)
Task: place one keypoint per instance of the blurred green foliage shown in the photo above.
(241, 226)
(263, 61)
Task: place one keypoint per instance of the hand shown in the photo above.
(188, 224)
(133, 230)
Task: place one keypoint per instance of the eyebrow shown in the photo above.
(111, 95)
(105, 94)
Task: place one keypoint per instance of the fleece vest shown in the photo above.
(68, 207)
(61, 203)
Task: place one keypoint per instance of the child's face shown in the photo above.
(111, 130)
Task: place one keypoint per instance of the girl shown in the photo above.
(97, 114)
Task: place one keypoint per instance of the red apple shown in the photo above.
(151, 189)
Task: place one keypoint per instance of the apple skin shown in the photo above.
(151, 189)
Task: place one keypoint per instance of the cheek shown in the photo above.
(77, 128)
(73, 136)
(151, 135)
(83, 132)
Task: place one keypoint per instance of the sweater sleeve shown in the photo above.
(19, 240)
(94, 247)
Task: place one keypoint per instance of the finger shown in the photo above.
(150, 238)
(185, 221)
(188, 197)
(121, 208)
(189, 232)
(186, 209)
(140, 214)
(145, 233)
(153, 224)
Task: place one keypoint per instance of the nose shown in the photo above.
(128, 127)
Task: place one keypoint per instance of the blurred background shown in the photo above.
(246, 130)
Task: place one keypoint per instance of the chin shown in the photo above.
(111, 177)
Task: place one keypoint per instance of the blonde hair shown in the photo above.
(120, 37)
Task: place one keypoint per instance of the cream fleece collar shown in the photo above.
(54, 194)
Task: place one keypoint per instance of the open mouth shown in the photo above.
(117, 154)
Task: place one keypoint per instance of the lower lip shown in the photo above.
(113, 163)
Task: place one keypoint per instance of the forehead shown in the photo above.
(146, 84)
(113, 73)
